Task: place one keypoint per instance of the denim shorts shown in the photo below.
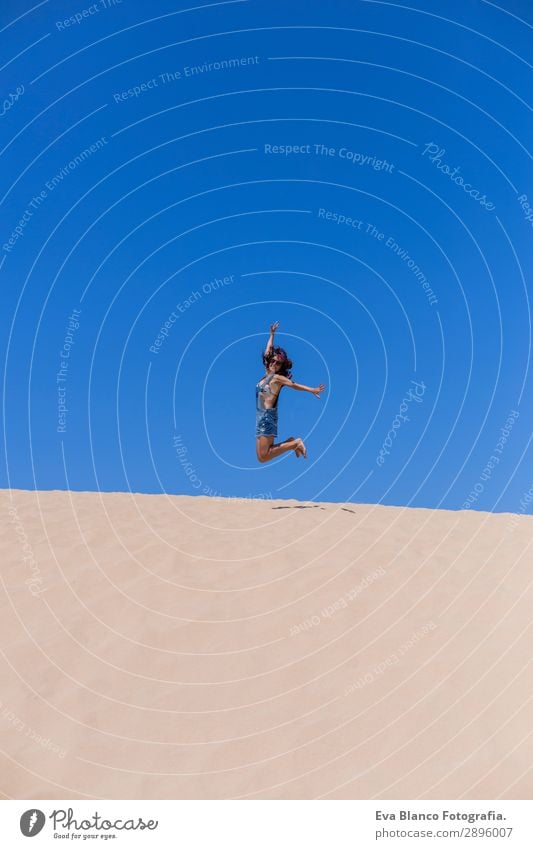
(266, 422)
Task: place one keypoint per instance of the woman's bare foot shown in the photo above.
(297, 449)
(300, 449)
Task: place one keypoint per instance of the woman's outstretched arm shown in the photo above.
(270, 343)
(315, 390)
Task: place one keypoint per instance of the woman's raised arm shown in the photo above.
(270, 343)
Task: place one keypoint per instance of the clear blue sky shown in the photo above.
(358, 171)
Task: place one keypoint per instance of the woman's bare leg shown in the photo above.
(266, 450)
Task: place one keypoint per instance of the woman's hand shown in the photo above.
(317, 390)
(274, 327)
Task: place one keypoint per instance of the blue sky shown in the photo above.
(358, 171)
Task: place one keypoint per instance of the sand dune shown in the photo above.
(180, 647)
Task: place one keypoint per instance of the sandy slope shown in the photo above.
(176, 647)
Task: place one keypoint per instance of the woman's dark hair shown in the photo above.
(281, 355)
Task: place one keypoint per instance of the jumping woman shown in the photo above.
(278, 375)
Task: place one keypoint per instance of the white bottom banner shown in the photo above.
(269, 824)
